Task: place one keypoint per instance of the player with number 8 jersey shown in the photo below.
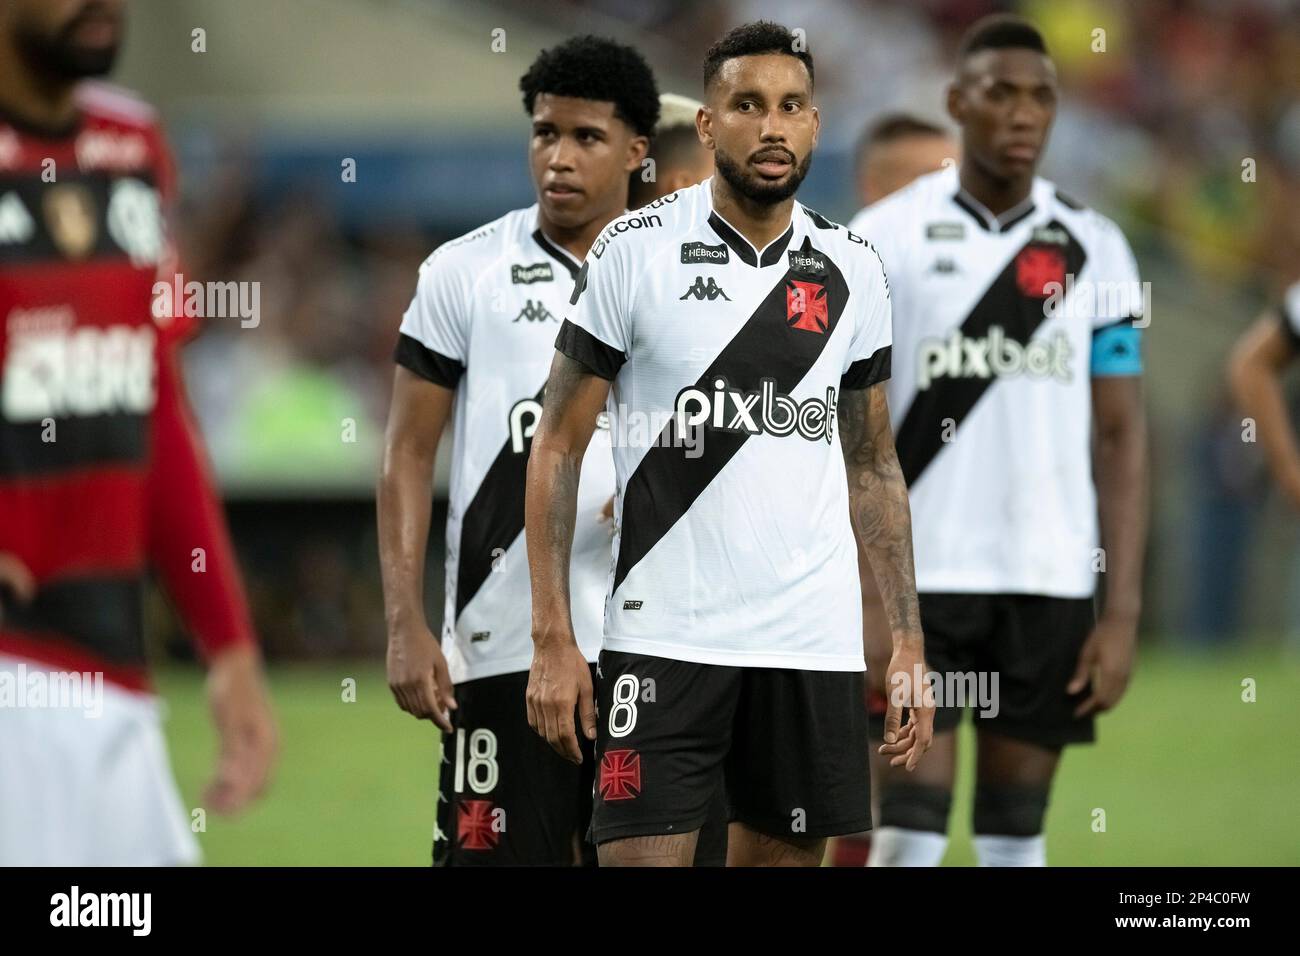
(739, 342)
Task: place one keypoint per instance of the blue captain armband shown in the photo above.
(1117, 350)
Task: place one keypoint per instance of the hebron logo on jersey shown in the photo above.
(694, 253)
(996, 355)
(524, 416)
(79, 371)
(777, 414)
(527, 275)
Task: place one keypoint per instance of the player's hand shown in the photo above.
(16, 580)
(418, 675)
(607, 510)
(908, 688)
(241, 710)
(1106, 660)
(559, 683)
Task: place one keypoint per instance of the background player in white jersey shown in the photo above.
(894, 150)
(1260, 359)
(755, 415)
(680, 159)
(1017, 378)
(476, 343)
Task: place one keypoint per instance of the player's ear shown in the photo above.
(956, 103)
(637, 149)
(817, 124)
(704, 126)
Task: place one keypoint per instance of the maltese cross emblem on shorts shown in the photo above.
(620, 775)
(474, 825)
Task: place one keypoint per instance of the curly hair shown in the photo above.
(596, 68)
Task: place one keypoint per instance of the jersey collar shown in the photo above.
(561, 256)
(742, 247)
(986, 219)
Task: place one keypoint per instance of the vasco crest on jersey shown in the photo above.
(1041, 264)
(806, 306)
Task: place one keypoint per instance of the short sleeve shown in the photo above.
(1117, 289)
(869, 309)
(433, 341)
(595, 332)
(1119, 306)
(879, 225)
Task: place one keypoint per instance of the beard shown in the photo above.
(60, 56)
(756, 189)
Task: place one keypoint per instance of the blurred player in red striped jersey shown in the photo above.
(101, 472)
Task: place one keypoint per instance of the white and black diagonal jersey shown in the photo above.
(483, 322)
(734, 545)
(1000, 324)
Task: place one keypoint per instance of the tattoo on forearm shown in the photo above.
(560, 483)
(878, 504)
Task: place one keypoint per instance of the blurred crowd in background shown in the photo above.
(1181, 120)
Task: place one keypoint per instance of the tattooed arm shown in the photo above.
(882, 522)
(559, 680)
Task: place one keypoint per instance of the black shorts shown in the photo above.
(505, 798)
(789, 746)
(515, 801)
(1009, 657)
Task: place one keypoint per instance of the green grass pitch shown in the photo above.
(1185, 771)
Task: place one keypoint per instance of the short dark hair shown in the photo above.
(890, 128)
(667, 149)
(752, 39)
(596, 68)
(1001, 31)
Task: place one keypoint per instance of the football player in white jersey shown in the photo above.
(894, 150)
(1258, 363)
(1016, 381)
(741, 341)
(679, 158)
(475, 348)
